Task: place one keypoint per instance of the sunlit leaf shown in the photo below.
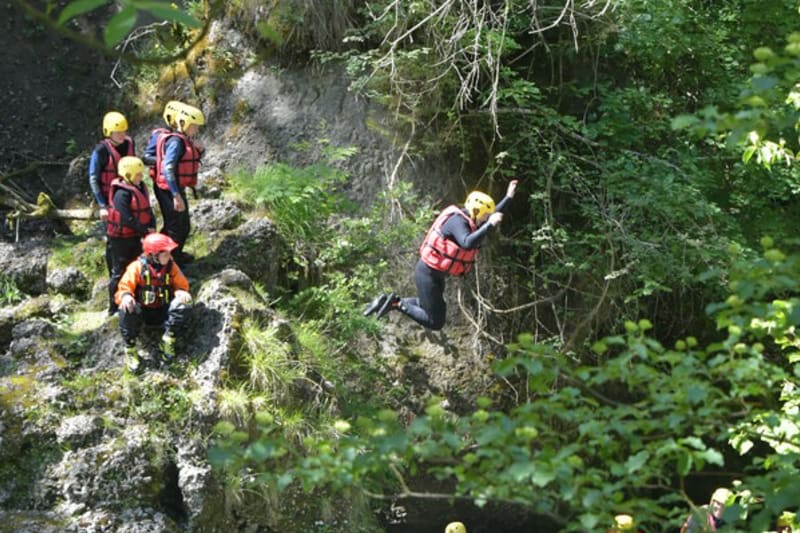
(78, 7)
(119, 26)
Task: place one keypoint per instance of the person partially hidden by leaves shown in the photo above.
(786, 523)
(153, 291)
(449, 249)
(709, 517)
(624, 523)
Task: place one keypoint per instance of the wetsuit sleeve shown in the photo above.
(122, 203)
(149, 155)
(177, 280)
(173, 152)
(127, 284)
(502, 204)
(97, 162)
(457, 229)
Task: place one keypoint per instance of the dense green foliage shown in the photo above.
(626, 218)
(586, 440)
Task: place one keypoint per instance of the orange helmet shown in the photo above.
(154, 243)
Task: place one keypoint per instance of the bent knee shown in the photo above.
(437, 325)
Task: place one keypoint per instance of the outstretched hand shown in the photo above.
(512, 188)
(495, 218)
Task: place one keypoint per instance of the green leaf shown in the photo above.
(764, 83)
(521, 471)
(542, 477)
(712, 456)
(165, 11)
(79, 7)
(224, 428)
(635, 462)
(119, 26)
(219, 457)
(682, 122)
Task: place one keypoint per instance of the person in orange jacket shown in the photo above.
(152, 290)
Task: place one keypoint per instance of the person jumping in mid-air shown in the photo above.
(450, 248)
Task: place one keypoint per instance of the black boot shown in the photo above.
(392, 302)
(376, 304)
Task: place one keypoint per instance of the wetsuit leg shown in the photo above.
(154, 316)
(182, 224)
(428, 308)
(168, 213)
(130, 324)
(177, 315)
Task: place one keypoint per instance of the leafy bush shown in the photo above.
(578, 442)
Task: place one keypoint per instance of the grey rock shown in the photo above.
(254, 248)
(25, 263)
(79, 430)
(70, 281)
(213, 215)
(117, 470)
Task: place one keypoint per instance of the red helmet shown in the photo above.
(154, 243)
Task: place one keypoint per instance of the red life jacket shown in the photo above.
(153, 289)
(140, 209)
(443, 254)
(157, 133)
(109, 172)
(186, 173)
(704, 516)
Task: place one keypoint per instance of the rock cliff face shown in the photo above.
(74, 455)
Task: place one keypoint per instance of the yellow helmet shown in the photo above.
(623, 522)
(188, 115)
(721, 495)
(786, 519)
(171, 111)
(455, 527)
(114, 121)
(129, 166)
(479, 204)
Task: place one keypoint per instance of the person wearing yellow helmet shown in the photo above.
(709, 517)
(455, 527)
(170, 116)
(786, 522)
(624, 523)
(105, 158)
(129, 219)
(178, 156)
(449, 248)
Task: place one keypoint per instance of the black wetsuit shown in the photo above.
(429, 308)
(121, 251)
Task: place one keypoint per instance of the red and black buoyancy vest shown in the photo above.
(157, 133)
(153, 288)
(186, 172)
(443, 254)
(109, 172)
(140, 209)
